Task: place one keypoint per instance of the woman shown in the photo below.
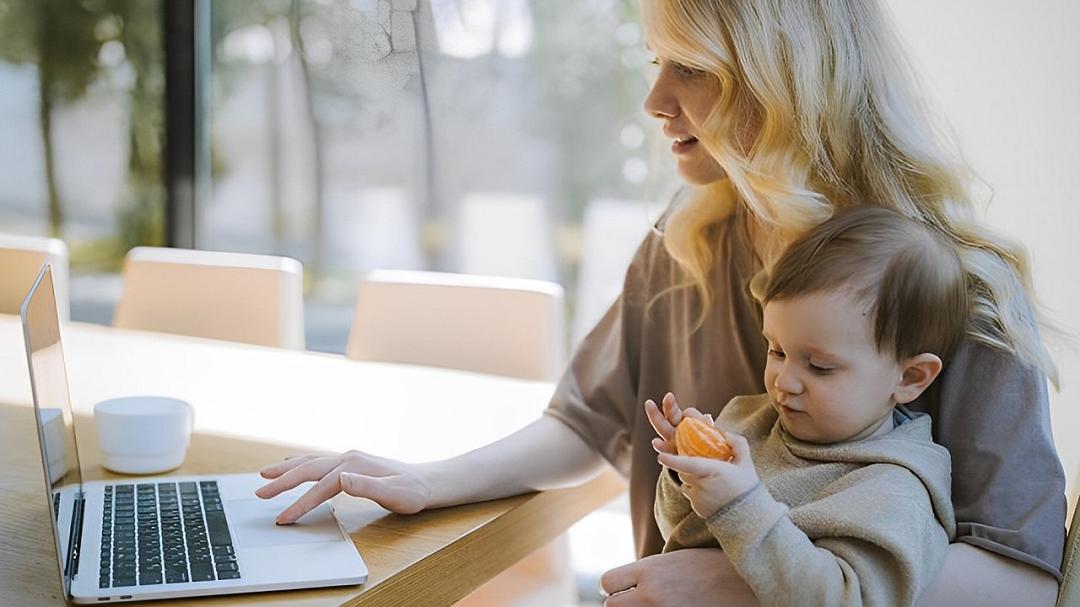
(780, 112)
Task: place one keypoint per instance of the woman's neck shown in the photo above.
(758, 235)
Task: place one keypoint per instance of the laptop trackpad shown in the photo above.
(253, 524)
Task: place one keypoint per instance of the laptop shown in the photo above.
(141, 538)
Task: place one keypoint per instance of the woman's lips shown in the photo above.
(683, 146)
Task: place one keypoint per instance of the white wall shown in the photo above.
(1006, 74)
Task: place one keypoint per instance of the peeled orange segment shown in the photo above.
(698, 438)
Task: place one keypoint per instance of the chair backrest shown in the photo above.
(21, 258)
(255, 299)
(501, 326)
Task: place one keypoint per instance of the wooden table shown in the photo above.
(257, 405)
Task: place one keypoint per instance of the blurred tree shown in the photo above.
(590, 79)
(296, 17)
(58, 36)
(141, 213)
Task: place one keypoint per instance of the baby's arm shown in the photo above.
(876, 541)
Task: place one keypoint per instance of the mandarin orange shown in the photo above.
(699, 438)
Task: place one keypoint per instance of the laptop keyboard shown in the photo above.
(165, 533)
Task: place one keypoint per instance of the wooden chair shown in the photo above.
(21, 258)
(254, 299)
(500, 326)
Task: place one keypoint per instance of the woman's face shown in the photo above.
(682, 98)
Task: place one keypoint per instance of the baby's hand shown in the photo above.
(665, 419)
(710, 484)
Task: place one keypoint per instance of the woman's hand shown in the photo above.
(694, 576)
(710, 484)
(394, 485)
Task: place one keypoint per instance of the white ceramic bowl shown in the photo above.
(143, 434)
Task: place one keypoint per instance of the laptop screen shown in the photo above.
(55, 424)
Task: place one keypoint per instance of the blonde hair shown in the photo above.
(838, 124)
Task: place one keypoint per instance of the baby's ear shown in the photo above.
(917, 373)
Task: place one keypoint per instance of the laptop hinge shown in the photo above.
(71, 567)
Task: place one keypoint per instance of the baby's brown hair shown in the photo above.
(908, 276)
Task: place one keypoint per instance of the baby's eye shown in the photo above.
(820, 370)
(776, 353)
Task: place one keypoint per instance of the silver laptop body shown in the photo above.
(142, 538)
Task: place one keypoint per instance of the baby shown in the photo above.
(836, 493)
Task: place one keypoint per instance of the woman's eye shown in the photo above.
(680, 70)
(684, 70)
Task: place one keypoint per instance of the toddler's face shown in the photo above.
(826, 378)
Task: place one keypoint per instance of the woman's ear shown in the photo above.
(917, 373)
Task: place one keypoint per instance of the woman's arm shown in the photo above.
(705, 576)
(546, 454)
(973, 576)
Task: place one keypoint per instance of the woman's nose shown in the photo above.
(660, 103)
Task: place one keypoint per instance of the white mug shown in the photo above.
(143, 434)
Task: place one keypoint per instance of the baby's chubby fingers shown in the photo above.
(659, 421)
(697, 466)
(664, 446)
(740, 449)
(671, 409)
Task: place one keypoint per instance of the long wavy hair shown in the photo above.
(837, 123)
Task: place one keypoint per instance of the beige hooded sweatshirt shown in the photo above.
(865, 522)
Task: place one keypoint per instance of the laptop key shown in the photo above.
(228, 575)
(202, 573)
(218, 528)
(149, 578)
(175, 576)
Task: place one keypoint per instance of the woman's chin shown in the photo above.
(701, 175)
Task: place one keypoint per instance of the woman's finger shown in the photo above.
(276, 470)
(620, 579)
(327, 487)
(390, 492)
(311, 470)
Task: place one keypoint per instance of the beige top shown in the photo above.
(863, 522)
(990, 411)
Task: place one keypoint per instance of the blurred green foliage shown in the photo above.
(64, 39)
